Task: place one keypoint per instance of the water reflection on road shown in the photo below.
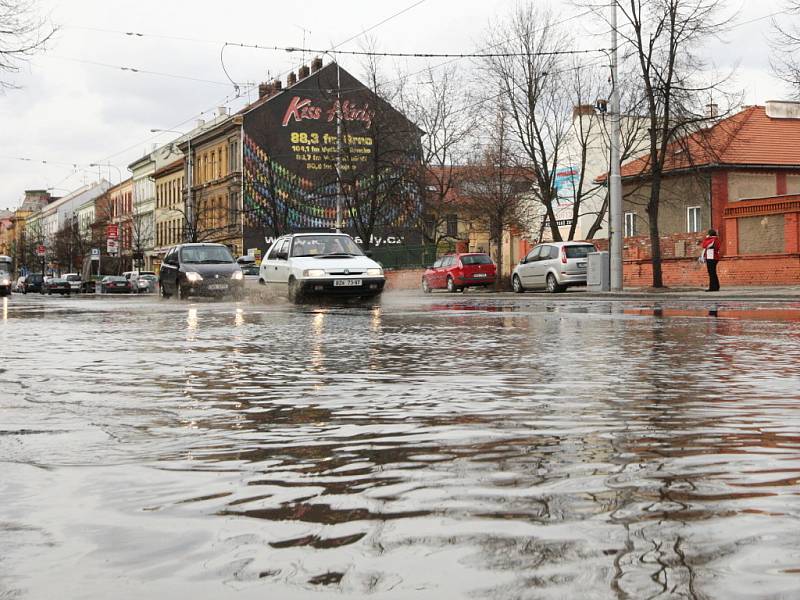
(418, 448)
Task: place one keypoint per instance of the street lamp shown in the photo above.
(338, 139)
(109, 165)
(189, 208)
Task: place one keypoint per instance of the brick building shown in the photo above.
(741, 177)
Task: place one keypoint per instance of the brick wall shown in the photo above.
(680, 267)
(763, 270)
(404, 279)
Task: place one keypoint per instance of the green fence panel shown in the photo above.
(405, 257)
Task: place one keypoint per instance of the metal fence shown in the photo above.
(405, 257)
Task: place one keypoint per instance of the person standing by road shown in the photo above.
(711, 246)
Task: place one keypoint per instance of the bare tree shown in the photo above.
(440, 106)
(538, 84)
(495, 189)
(662, 38)
(23, 33)
(379, 190)
(786, 47)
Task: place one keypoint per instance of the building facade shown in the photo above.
(170, 208)
(214, 214)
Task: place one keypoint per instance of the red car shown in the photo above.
(454, 272)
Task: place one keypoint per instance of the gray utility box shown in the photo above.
(598, 273)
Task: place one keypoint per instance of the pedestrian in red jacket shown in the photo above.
(711, 246)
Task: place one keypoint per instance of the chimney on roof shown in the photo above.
(316, 64)
(291, 79)
(263, 89)
(302, 72)
(200, 123)
(582, 110)
(222, 111)
(782, 109)
(277, 85)
(712, 110)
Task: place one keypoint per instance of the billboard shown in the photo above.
(565, 183)
(293, 155)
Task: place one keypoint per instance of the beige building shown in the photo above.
(215, 211)
(170, 208)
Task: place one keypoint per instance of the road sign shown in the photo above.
(112, 231)
(41, 250)
(95, 251)
(112, 246)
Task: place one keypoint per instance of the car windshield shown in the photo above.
(114, 279)
(325, 245)
(476, 259)
(34, 278)
(206, 254)
(73, 277)
(148, 277)
(579, 251)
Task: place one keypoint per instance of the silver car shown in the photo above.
(553, 266)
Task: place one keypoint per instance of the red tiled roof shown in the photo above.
(749, 137)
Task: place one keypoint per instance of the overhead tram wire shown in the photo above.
(138, 70)
(252, 86)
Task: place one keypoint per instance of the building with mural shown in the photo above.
(296, 167)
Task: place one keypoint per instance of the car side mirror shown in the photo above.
(522, 260)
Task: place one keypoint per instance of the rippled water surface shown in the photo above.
(438, 447)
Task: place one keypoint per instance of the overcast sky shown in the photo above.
(71, 111)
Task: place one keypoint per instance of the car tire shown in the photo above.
(180, 291)
(426, 287)
(516, 285)
(552, 284)
(451, 285)
(293, 291)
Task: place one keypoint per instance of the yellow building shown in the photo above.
(214, 211)
(170, 208)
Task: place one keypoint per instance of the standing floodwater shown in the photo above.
(418, 448)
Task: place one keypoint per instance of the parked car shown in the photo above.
(74, 282)
(200, 270)
(454, 272)
(308, 264)
(5, 275)
(553, 266)
(33, 283)
(58, 285)
(115, 284)
(146, 283)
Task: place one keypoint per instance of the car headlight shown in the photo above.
(314, 273)
(375, 272)
(193, 276)
(5, 281)
(237, 275)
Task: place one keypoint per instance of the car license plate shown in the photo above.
(218, 286)
(479, 275)
(346, 282)
(581, 265)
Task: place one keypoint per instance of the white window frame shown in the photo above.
(630, 224)
(689, 211)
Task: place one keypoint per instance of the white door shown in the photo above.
(526, 269)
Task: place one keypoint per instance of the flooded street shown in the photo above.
(423, 447)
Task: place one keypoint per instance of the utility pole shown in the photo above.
(338, 150)
(615, 184)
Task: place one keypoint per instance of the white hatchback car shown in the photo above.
(320, 264)
(553, 266)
